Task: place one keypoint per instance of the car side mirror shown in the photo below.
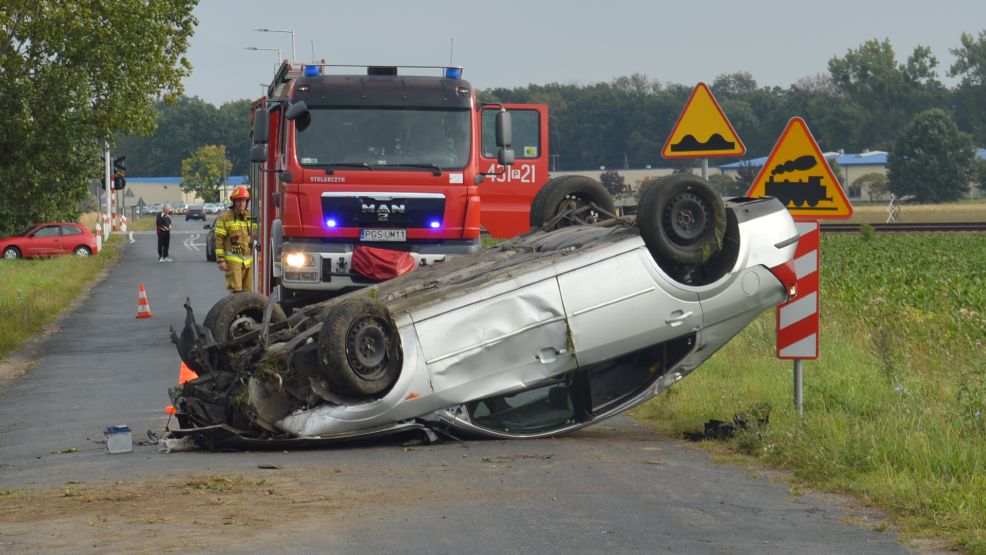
(504, 130)
(258, 153)
(296, 110)
(505, 156)
(261, 126)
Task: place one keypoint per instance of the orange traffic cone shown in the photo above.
(185, 374)
(143, 309)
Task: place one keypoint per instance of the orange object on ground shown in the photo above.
(143, 309)
(186, 374)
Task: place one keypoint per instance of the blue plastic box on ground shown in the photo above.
(118, 439)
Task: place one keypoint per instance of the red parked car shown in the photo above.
(49, 239)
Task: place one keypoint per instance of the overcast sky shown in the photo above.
(509, 43)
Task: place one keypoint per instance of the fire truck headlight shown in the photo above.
(435, 224)
(298, 260)
(331, 222)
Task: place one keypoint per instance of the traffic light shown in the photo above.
(119, 173)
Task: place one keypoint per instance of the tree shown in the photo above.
(727, 186)
(874, 184)
(613, 182)
(185, 126)
(745, 175)
(71, 75)
(887, 92)
(205, 171)
(931, 159)
(970, 96)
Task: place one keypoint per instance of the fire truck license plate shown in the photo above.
(383, 235)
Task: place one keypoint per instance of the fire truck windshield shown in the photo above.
(379, 137)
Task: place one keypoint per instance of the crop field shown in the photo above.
(966, 211)
(894, 406)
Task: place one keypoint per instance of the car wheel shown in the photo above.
(682, 220)
(359, 347)
(82, 251)
(238, 314)
(570, 192)
(10, 253)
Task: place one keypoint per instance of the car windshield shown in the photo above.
(26, 231)
(372, 138)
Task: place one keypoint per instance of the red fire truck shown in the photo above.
(353, 163)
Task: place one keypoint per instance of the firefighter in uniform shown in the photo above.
(235, 233)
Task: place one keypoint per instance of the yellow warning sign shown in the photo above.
(702, 130)
(797, 174)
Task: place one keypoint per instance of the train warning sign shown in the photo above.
(702, 130)
(797, 174)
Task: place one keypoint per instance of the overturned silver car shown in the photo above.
(574, 322)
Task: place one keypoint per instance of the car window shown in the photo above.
(71, 230)
(48, 231)
(613, 381)
(540, 409)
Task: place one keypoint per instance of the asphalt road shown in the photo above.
(616, 487)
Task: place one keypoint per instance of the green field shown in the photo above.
(34, 292)
(894, 406)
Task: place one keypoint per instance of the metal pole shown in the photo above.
(798, 387)
(705, 168)
(109, 194)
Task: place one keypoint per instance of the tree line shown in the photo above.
(865, 102)
(67, 85)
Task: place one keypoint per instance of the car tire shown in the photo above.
(682, 220)
(566, 192)
(82, 250)
(11, 253)
(237, 314)
(359, 347)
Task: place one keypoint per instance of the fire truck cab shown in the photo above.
(355, 167)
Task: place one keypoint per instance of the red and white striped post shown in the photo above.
(797, 319)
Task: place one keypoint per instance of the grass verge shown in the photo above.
(894, 406)
(34, 292)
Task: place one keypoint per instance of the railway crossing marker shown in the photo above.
(797, 174)
(702, 130)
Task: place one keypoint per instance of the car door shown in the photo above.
(71, 238)
(506, 198)
(44, 241)
(496, 343)
(624, 303)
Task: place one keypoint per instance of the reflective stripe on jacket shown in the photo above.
(234, 233)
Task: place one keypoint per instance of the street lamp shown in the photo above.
(278, 50)
(293, 53)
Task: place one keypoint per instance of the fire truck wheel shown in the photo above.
(571, 192)
(238, 314)
(359, 348)
(682, 219)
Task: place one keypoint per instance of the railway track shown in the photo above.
(907, 227)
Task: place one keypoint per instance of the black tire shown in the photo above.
(82, 250)
(11, 253)
(237, 314)
(682, 219)
(569, 191)
(359, 348)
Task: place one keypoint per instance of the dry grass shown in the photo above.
(967, 211)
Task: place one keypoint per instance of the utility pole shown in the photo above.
(108, 182)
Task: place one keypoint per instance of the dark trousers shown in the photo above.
(163, 242)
